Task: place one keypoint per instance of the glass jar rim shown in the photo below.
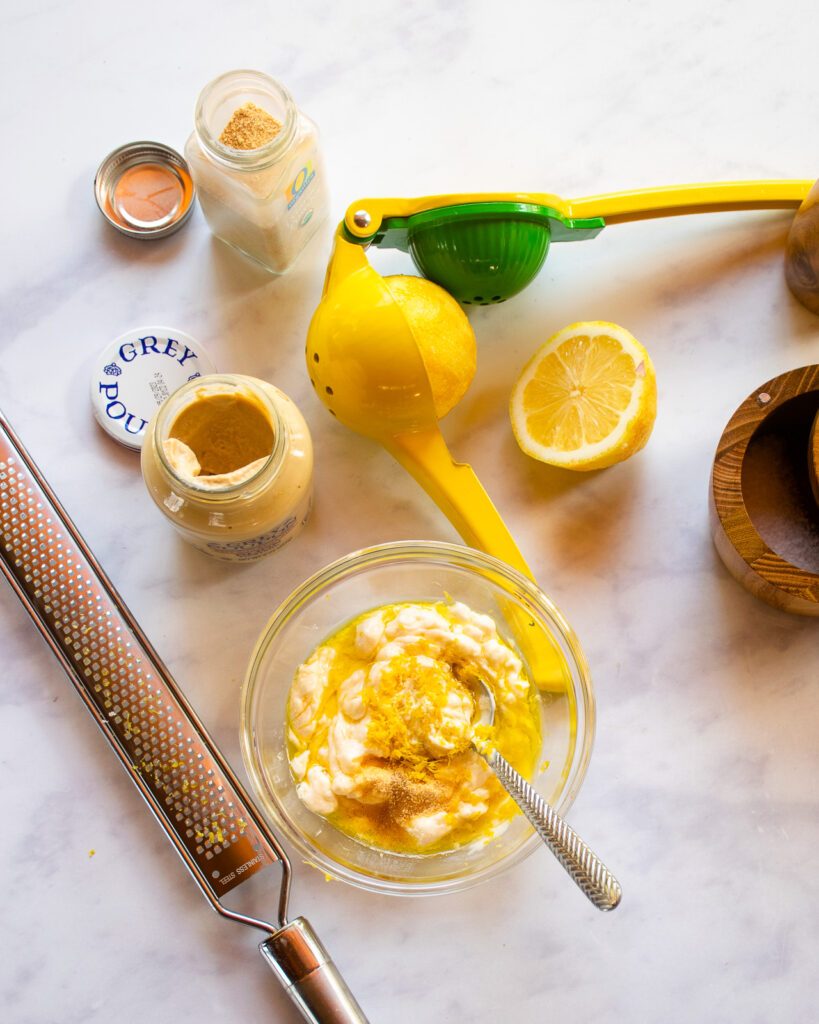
(272, 463)
(246, 159)
(519, 588)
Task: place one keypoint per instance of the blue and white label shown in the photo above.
(136, 373)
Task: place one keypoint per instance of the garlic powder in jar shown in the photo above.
(263, 192)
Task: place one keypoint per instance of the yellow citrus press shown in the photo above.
(363, 355)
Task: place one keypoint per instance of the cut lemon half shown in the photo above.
(587, 399)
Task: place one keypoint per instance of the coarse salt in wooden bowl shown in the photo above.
(813, 459)
(764, 515)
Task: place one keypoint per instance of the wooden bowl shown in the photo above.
(764, 517)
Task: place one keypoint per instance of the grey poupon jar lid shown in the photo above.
(136, 372)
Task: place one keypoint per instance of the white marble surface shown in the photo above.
(702, 791)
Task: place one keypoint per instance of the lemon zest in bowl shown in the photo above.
(408, 704)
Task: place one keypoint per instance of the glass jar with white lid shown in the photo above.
(240, 484)
(266, 202)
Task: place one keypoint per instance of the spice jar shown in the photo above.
(263, 193)
(228, 460)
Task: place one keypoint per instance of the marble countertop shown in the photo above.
(702, 792)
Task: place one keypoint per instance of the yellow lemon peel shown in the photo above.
(443, 334)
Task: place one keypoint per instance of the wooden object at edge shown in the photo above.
(748, 558)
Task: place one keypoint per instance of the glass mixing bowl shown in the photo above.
(399, 572)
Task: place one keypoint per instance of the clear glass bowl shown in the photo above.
(388, 573)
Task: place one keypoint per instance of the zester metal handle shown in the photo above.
(309, 976)
(589, 873)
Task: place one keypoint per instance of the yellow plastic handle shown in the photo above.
(458, 492)
(675, 200)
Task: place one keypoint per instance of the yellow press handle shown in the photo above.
(458, 492)
(675, 200)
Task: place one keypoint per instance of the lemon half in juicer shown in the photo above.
(484, 248)
(366, 363)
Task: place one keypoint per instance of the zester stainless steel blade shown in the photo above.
(171, 759)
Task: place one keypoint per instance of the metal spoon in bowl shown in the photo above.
(589, 873)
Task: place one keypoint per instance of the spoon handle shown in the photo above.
(589, 873)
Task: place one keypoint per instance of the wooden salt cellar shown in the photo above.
(764, 517)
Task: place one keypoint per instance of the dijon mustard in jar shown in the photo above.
(228, 460)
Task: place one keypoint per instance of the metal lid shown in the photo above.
(134, 374)
(144, 189)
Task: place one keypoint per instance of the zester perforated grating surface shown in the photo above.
(127, 688)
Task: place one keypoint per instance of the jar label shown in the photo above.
(299, 184)
(266, 543)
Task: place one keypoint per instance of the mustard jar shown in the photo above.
(255, 161)
(228, 460)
